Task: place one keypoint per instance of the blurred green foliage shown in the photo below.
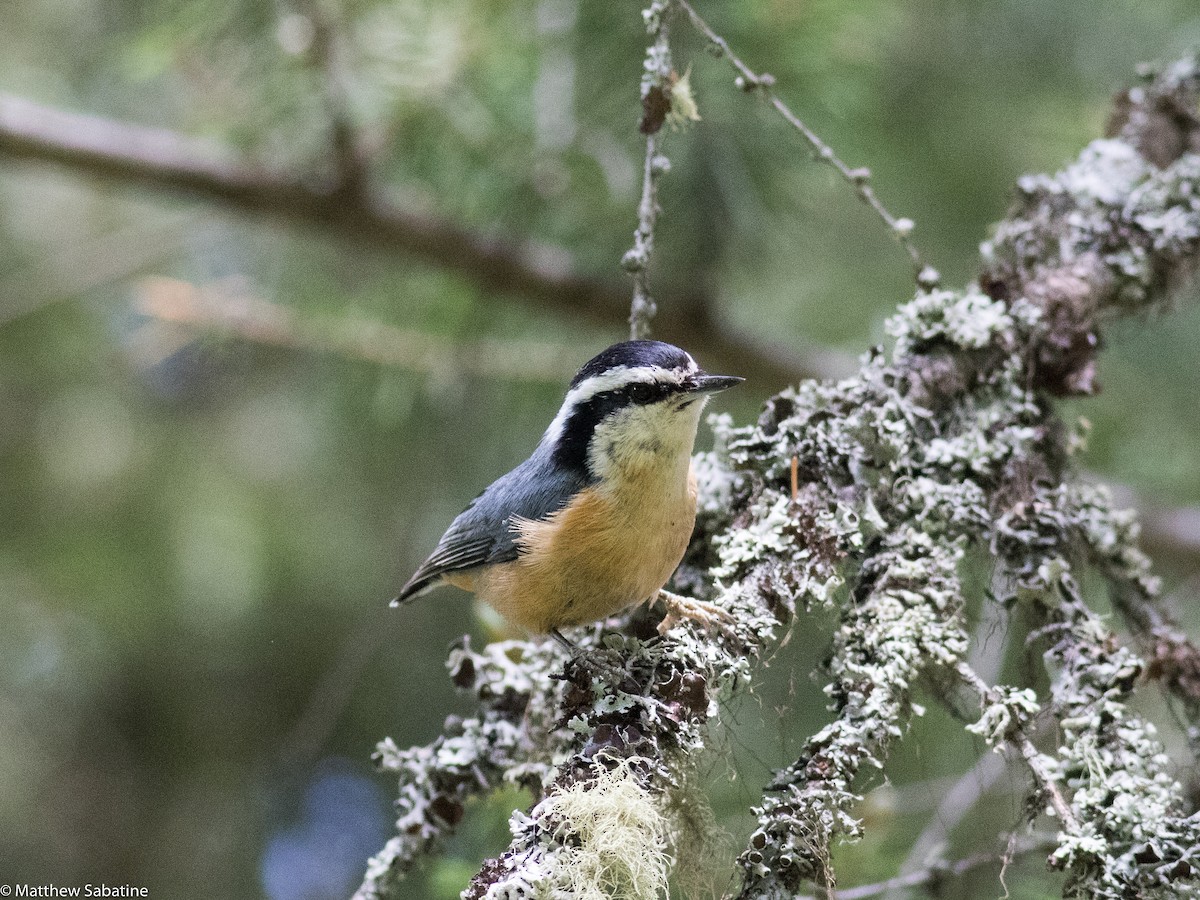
(198, 533)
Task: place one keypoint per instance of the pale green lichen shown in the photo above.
(1070, 216)
(884, 643)
(1111, 535)
(1136, 837)
(473, 757)
(969, 320)
(950, 442)
(1012, 710)
(1132, 834)
(714, 479)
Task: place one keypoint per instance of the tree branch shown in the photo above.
(162, 159)
(1006, 713)
(656, 103)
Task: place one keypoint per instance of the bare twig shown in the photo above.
(859, 179)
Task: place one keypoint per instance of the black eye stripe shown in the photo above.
(639, 393)
(571, 450)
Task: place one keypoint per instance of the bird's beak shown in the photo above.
(711, 384)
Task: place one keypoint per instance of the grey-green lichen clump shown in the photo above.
(865, 497)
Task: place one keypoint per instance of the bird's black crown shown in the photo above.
(634, 353)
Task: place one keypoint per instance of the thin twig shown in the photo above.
(656, 100)
(859, 179)
(1018, 738)
(637, 260)
(934, 873)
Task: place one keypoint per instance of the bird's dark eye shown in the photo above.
(641, 393)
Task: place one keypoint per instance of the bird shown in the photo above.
(599, 516)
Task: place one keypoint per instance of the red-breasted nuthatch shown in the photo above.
(598, 518)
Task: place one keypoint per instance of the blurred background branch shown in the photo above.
(536, 272)
(932, 875)
(233, 310)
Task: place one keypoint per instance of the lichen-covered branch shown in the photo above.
(870, 496)
(1007, 713)
(905, 621)
(955, 438)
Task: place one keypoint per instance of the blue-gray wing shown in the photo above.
(482, 533)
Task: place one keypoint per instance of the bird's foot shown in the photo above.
(592, 661)
(708, 615)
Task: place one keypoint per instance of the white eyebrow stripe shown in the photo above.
(614, 378)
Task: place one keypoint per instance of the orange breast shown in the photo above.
(603, 552)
